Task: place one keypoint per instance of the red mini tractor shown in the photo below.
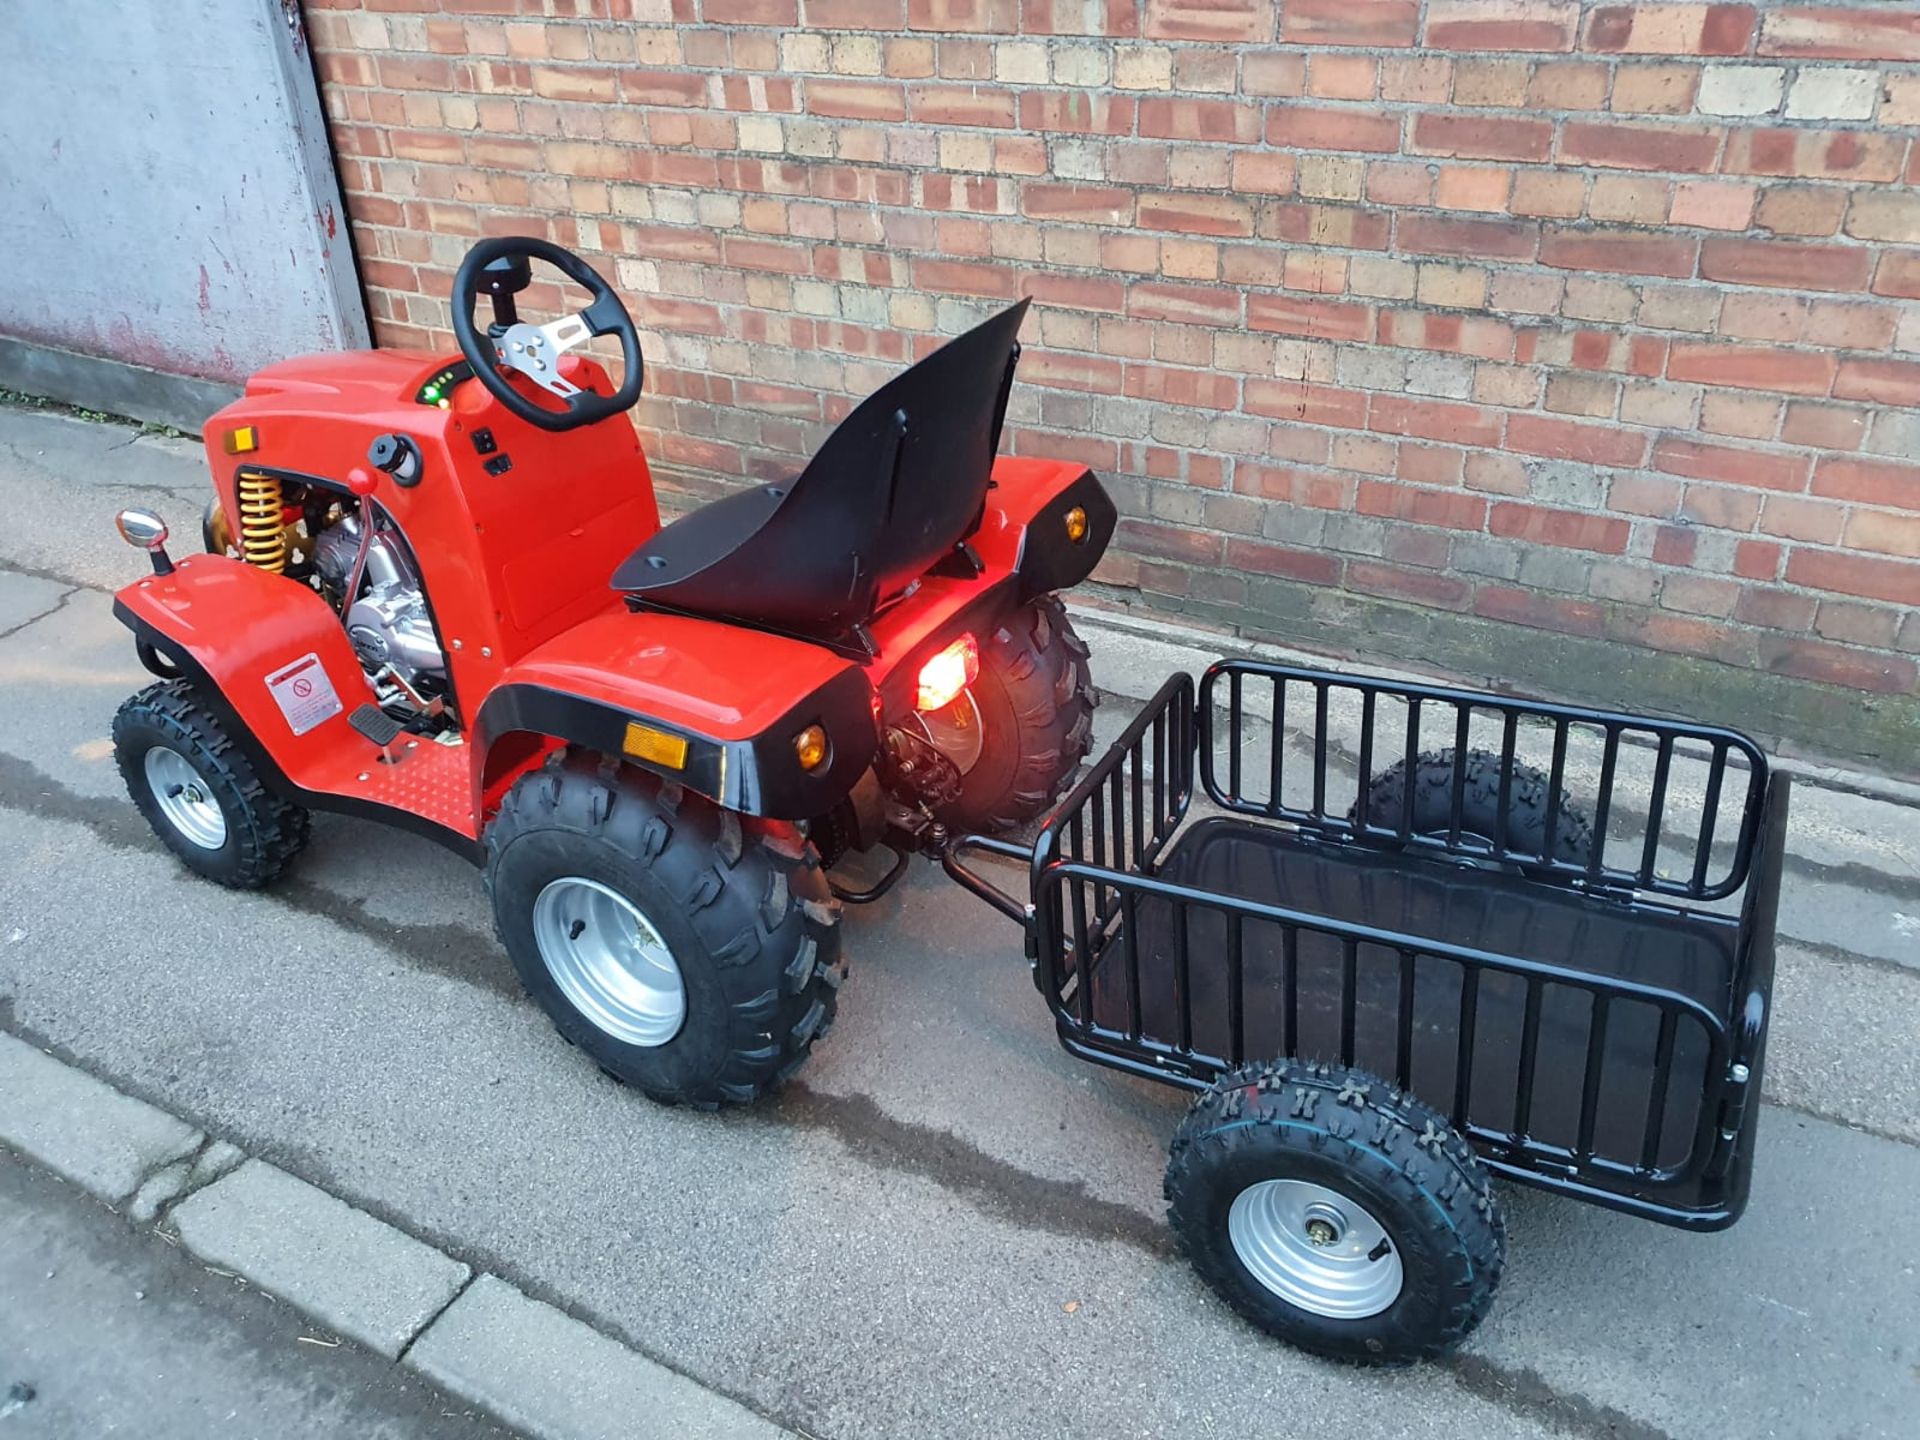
(438, 593)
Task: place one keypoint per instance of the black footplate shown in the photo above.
(374, 723)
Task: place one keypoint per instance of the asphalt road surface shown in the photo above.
(948, 1227)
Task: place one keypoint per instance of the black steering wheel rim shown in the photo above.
(606, 315)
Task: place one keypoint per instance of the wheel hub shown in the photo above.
(610, 961)
(184, 799)
(1315, 1248)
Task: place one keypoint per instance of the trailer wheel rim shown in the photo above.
(185, 798)
(1315, 1248)
(610, 961)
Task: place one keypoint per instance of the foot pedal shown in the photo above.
(378, 726)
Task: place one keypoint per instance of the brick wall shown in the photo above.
(1572, 343)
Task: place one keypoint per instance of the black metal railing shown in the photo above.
(1309, 770)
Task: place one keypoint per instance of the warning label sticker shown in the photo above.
(304, 693)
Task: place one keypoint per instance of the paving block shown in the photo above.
(356, 1275)
(82, 1128)
(545, 1373)
(24, 598)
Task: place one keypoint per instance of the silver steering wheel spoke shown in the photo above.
(535, 351)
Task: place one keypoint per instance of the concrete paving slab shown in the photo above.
(354, 1274)
(106, 1331)
(25, 598)
(81, 1129)
(544, 1372)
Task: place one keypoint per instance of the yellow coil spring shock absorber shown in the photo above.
(263, 536)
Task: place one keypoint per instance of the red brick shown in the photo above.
(1736, 465)
(1216, 121)
(1342, 22)
(1814, 154)
(1089, 204)
(1481, 137)
(1638, 147)
(1423, 505)
(855, 100)
(957, 278)
(1317, 127)
(1831, 427)
(1890, 32)
(1078, 292)
(1458, 334)
(1071, 370)
(1541, 612)
(1873, 482)
(1883, 382)
(1568, 529)
(857, 14)
(1425, 587)
(961, 105)
(979, 16)
(1434, 420)
(1895, 581)
(1623, 252)
(1320, 319)
(1190, 389)
(1786, 263)
(1898, 274)
(1144, 537)
(1644, 29)
(1303, 223)
(1195, 214)
(1750, 367)
(1476, 239)
(1306, 404)
(1502, 24)
(752, 12)
(1675, 545)
(1884, 532)
(1313, 565)
(1188, 304)
(1223, 20)
(1570, 440)
(1076, 112)
(1836, 665)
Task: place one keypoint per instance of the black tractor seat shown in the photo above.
(896, 488)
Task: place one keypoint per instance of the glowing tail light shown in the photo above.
(946, 674)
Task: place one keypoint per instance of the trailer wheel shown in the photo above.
(691, 958)
(1335, 1212)
(1432, 785)
(199, 791)
(1033, 703)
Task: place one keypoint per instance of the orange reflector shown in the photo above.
(810, 747)
(1077, 524)
(944, 676)
(243, 440)
(643, 742)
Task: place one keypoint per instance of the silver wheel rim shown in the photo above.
(185, 798)
(1315, 1249)
(609, 961)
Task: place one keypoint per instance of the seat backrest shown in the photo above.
(895, 488)
(914, 457)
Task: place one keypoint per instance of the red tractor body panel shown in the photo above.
(511, 558)
(516, 531)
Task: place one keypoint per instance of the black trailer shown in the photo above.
(1424, 936)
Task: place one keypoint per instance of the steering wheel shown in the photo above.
(535, 350)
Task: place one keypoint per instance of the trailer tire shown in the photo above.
(1400, 1177)
(1035, 697)
(1432, 784)
(746, 919)
(257, 832)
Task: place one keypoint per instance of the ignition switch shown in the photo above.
(398, 456)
